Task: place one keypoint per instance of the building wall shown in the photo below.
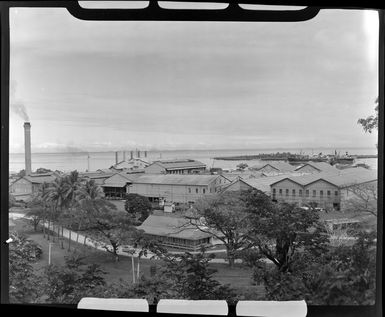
(324, 194)
(283, 192)
(172, 193)
(155, 169)
(21, 189)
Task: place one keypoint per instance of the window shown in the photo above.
(204, 191)
(280, 191)
(211, 190)
(328, 193)
(321, 193)
(293, 192)
(287, 192)
(314, 193)
(300, 192)
(196, 190)
(336, 193)
(307, 193)
(274, 191)
(189, 190)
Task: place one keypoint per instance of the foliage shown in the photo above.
(23, 283)
(242, 166)
(370, 123)
(137, 204)
(279, 231)
(42, 170)
(343, 276)
(37, 212)
(363, 200)
(223, 216)
(21, 173)
(189, 277)
(11, 201)
(69, 283)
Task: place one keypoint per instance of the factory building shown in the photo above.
(324, 190)
(24, 188)
(174, 231)
(177, 188)
(316, 167)
(117, 185)
(182, 166)
(274, 168)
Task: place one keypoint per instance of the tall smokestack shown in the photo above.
(124, 155)
(132, 154)
(138, 153)
(116, 158)
(145, 153)
(27, 148)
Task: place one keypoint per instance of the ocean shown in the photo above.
(100, 160)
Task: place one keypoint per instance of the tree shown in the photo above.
(242, 166)
(42, 170)
(279, 231)
(223, 216)
(99, 219)
(364, 199)
(345, 275)
(137, 204)
(23, 283)
(36, 214)
(370, 123)
(69, 283)
(21, 173)
(189, 277)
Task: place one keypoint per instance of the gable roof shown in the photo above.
(176, 179)
(39, 178)
(264, 183)
(320, 166)
(343, 178)
(130, 164)
(171, 226)
(278, 165)
(179, 164)
(234, 182)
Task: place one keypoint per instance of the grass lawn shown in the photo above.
(239, 277)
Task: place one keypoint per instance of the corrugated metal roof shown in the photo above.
(263, 183)
(179, 164)
(171, 179)
(342, 178)
(278, 165)
(40, 179)
(171, 226)
(321, 166)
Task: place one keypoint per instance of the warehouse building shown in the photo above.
(316, 167)
(183, 166)
(177, 188)
(117, 185)
(174, 231)
(274, 168)
(23, 188)
(324, 190)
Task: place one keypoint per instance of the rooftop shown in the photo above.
(171, 226)
(175, 179)
(321, 166)
(278, 165)
(179, 164)
(341, 178)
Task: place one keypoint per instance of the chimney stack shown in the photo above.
(145, 153)
(124, 155)
(132, 154)
(116, 157)
(138, 153)
(27, 148)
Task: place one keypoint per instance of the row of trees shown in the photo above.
(79, 204)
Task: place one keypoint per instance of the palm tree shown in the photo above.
(72, 186)
(56, 197)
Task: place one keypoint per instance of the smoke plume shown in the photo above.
(16, 105)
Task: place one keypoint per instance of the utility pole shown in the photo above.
(49, 252)
(133, 268)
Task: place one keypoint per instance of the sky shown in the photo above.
(99, 86)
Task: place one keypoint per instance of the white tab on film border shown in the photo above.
(120, 304)
(272, 308)
(195, 307)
